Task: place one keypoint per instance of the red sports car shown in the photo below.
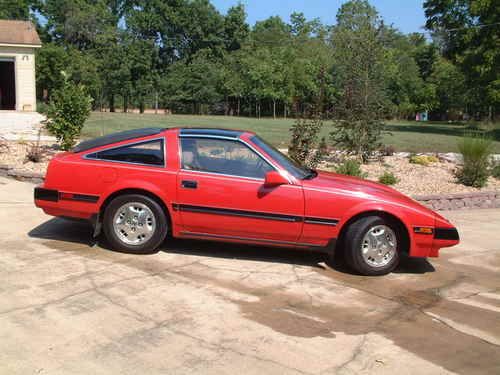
(229, 185)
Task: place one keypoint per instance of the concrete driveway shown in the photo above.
(67, 306)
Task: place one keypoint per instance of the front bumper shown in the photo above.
(449, 234)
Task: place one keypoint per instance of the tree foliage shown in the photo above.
(15, 9)
(468, 32)
(191, 58)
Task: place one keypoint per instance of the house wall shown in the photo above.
(25, 75)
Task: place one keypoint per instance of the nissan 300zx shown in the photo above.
(226, 185)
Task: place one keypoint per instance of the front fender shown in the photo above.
(420, 244)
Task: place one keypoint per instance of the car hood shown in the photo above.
(364, 189)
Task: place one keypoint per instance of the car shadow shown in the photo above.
(80, 232)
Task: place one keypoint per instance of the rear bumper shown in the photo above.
(42, 194)
(57, 203)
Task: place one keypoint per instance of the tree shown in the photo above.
(15, 9)
(77, 23)
(358, 71)
(236, 29)
(195, 83)
(451, 91)
(468, 33)
(51, 60)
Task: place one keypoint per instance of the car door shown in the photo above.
(221, 193)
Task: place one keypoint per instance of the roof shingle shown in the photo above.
(18, 32)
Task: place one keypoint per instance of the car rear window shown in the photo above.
(147, 153)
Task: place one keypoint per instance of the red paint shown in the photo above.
(329, 197)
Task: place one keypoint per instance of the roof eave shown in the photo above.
(3, 44)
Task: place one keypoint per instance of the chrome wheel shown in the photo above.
(134, 223)
(379, 246)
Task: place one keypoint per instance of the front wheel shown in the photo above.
(372, 246)
(134, 223)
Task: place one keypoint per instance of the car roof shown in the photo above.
(115, 138)
(226, 133)
(145, 132)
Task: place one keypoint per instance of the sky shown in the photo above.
(406, 15)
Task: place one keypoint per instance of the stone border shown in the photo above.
(461, 201)
(10, 171)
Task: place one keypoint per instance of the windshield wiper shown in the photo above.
(311, 173)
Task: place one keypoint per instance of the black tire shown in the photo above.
(353, 253)
(147, 247)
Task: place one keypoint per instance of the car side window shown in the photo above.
(222, 156)
(147, 153)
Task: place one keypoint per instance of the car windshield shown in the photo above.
(296, 170)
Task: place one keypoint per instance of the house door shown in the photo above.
(7, 84)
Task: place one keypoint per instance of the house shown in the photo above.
(18, 42)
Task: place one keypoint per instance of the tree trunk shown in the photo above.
(112, 103)
(274, 109)
(156, 102)
(141, 106)
(238, 106)
(226, 106)
(125, 103)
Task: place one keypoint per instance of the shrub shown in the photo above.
(476, 152)
(387, 150)
(350, 167)
(495, 171)
(423, 159)
(42, 107)
(67, 111)
(432, 158)
(304, 147)
(35, 153)
(388, 178)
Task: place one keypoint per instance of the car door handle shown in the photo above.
(187, 184)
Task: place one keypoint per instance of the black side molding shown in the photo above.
(231, 212)
(446, 234)
(55, 196)
(46, 194)
(85, 198)
(321, 221)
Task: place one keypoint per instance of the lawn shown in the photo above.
(404, 136)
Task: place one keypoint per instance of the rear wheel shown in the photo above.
(134, 223)
(372, 246)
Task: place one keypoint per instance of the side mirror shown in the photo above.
(274, 178)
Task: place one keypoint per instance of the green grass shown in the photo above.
(404, 135)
